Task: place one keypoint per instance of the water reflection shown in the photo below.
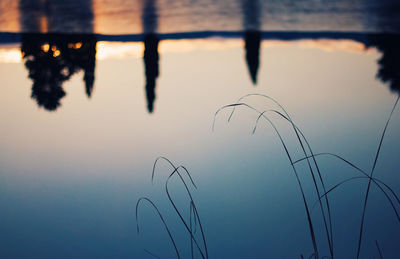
(151, 68)
(52, 59)
(252, 45)
(389, 63)
(55, 16)
(252, 23)
(150, 56)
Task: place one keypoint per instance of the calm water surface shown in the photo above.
(125, 17)
(85, 115)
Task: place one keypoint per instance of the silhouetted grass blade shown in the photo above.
(162, 219)
(372, 172)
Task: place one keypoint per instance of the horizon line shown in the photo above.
(15, 37)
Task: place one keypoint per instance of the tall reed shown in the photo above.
(310, 157)
(194, 218)
(321, 191)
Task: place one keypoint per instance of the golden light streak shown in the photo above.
(322, 44)
(118, 50)
(12, 55)
(123, 50)
(44, 24)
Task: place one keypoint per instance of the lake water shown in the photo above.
(93, 92)
(170, 16)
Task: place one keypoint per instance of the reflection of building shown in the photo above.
(389, 63)
(52, 59)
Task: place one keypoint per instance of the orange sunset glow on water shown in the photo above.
(116, 50)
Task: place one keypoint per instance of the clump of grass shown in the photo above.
(194, 221)
(309, 156)
(318, 182)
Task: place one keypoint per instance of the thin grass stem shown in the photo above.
(193, 205)
(369, 181)
(162, 219)
(379, 249)
(311, 227)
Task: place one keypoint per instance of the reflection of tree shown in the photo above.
(151, 67)
(252, 45)
(52, 59)
(151, 56)
(389, 63)
(252, 36)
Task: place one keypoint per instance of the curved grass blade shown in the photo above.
(366, 176)
(311, 227)
(162, 219)
(329, 233)
(297, 131)
(173, 166)
(152, 254)
(176, 171)
(379, 249)
(369, 181)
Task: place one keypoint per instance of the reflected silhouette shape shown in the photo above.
(252, 46)
(151, 68)
(252, 36)
(151, 55)
(52, 59)
(389, 63)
